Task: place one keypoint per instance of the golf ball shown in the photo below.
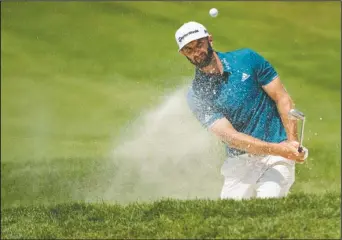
(213, 12)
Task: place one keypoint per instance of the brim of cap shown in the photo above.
(192, 38)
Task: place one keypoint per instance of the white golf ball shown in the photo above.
(213, 12)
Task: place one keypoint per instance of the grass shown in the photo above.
(294, 217)
(75, 75)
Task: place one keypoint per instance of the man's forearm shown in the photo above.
(249, 144)
(284, 105)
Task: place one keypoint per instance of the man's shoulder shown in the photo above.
(238, 57)
(192, 99)
(190, 91)
(240, 52)
(191, 96)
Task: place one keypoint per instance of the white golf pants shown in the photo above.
(247, 176)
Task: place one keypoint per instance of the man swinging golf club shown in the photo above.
(239, 97)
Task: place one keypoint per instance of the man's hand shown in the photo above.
(289, 150)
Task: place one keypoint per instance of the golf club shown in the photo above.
(298, 115)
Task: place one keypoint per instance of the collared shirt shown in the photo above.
(238, 96)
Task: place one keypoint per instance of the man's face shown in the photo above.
(198, 52)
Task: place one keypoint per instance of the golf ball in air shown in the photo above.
(213, 12)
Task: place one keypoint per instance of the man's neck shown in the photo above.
(214, 67)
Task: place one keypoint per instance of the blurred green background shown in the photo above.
(74, 74)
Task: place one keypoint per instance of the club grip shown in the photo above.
(300, 149)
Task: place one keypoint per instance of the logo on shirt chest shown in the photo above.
(245, 76)
(241, 75)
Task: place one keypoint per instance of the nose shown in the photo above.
(197, 52)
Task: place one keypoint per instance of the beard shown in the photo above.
(206, 60)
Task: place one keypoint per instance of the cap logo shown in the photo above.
(180, 39)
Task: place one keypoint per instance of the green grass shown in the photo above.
(75, 75)
(295, 217)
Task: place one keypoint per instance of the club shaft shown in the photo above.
(302, 133)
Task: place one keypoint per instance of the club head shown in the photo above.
(296, 114)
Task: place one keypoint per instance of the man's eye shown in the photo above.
(188, 50)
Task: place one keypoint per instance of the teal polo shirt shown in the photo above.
(238, 96)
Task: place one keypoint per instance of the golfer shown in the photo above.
(239, 97)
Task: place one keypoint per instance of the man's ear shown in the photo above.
(210, 38)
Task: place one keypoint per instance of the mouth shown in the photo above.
(200, 58)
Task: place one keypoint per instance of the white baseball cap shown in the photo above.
(188, 32)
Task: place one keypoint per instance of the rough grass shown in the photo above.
(300, 216)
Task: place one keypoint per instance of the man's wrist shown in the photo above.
(292, 137)
(292, 140)
(273, 148)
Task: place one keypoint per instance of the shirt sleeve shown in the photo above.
(264, 70)
(204, 113)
